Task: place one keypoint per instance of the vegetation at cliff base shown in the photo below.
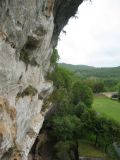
(74, 119)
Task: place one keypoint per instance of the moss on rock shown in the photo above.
(29, 91)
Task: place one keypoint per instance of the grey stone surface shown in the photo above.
(29, 30)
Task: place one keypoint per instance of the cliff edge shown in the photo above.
(29, 30)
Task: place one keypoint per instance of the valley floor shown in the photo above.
(107, 107)
(88, 149)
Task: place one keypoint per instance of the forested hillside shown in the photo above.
(88, 71)
(99, 79)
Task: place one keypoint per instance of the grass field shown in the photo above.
(107, 107)
(111, 109)
(87, 149)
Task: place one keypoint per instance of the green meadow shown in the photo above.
(107, 107)
(87, 149)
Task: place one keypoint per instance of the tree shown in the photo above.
(119, 92)
(82, 93)
(61, 78)
(111, 133)
(98, 87)
(67, 128)
(88, 119)
(78, 109)
(104, 130)
(64, 150)
(64, 128)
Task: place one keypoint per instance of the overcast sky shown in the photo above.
(94, 38)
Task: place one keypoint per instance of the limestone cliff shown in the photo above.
(29, 30)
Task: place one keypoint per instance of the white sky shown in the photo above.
(94, 38)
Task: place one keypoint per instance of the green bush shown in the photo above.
(119, 92)
(65, 127)
(82, 93)
(63, 150)
(54, 57)
(30, 90)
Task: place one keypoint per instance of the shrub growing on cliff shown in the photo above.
(25, 57)
(54, 57)
(29, 91)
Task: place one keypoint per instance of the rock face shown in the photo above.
(29, 30)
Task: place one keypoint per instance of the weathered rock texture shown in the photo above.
(29, 30)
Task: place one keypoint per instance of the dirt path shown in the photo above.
(108, 94)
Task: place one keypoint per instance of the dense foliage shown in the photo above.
(74, 118)
(88, 71)
(54, 57)
(82, 93)
(119, 91)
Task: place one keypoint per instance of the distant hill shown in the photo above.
(94, 72)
